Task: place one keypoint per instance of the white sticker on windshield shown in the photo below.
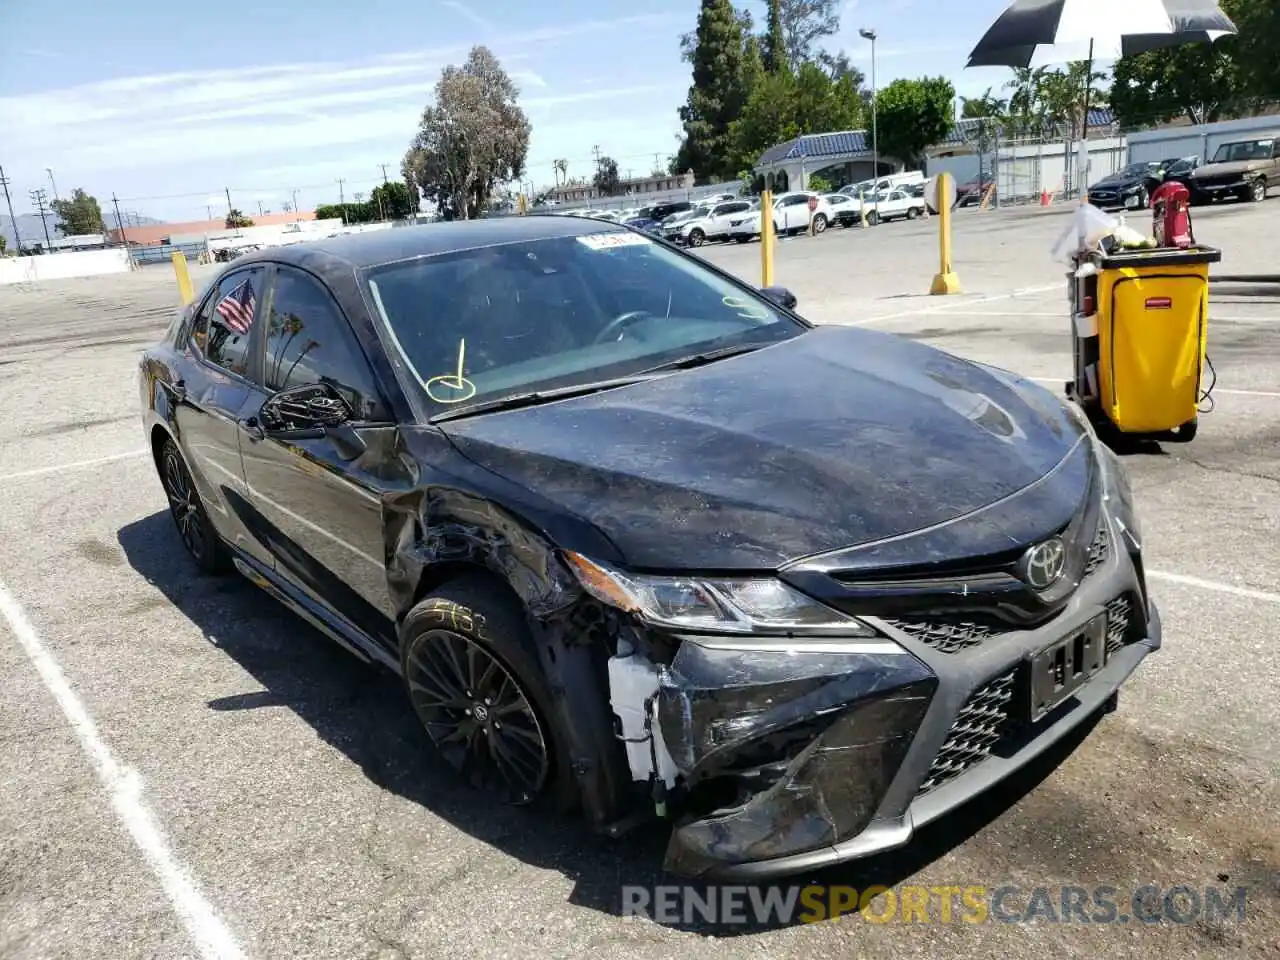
(608, 241)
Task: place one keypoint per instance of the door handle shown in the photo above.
(253, 428)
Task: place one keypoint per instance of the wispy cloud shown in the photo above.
(467, 13)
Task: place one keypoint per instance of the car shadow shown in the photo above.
(362, 711)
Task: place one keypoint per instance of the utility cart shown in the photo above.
(1140, 319)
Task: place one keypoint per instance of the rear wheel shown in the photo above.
(189, 515)
(474, 680)
(819, 223)
(696, 237)
(912, 213)
(871, 218)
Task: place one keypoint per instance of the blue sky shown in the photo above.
(168, 104)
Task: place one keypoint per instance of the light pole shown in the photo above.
(868, 34)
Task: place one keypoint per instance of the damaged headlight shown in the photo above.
(747, 605)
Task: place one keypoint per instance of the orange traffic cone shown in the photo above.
(1044, 198)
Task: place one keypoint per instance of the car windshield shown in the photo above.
(483, 324)
(1137, 169)
(1245, 150)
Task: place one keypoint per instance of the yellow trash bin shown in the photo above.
(1152, 334)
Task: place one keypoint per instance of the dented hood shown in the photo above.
(834, 438)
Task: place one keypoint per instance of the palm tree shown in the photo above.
(1026, 100)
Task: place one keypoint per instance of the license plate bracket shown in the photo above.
(1057, 671)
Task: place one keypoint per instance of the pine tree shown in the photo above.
(717, 95)
(775, 41)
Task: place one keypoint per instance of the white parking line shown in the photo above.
(950, 306)
(1268, 394)
(1215, 586)
(124, 786)
(1066, 317)
(76, 465)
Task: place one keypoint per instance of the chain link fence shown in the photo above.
(1031, 170)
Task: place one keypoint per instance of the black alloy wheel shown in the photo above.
(188, 512)
(478, 715)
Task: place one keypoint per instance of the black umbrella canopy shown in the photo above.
(1031, 29)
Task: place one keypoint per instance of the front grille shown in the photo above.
(946, 637)
(977, 729)
(1099, 549)
(1119, 617)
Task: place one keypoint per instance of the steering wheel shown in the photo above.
(613, 329)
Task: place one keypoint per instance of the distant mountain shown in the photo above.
(32, 231)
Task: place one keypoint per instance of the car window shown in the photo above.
(221, 329)
(498, 320)
(309, 341)
(1244, 150)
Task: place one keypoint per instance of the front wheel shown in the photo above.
(819, 223)
(872, 219)
(912, 213)
(473, 678)
(1258, 190)
(697, 238)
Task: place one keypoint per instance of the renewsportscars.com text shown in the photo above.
(732, 905)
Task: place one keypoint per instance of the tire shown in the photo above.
(1144, 199)
(912, 213)
(820, 223)
(1258, 190)
(696, 237)
(190, 518)
(1185, 433)
(741, 239)
(871, 218)
(477, 634)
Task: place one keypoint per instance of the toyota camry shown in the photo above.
(641, 542)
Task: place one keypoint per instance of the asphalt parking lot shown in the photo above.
(189, 770)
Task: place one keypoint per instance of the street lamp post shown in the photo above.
(868, 34)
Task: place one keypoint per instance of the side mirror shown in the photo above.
(309, 407)
(781, 296)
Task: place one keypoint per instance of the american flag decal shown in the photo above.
(237, 307)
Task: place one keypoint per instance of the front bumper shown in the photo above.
(827, 765)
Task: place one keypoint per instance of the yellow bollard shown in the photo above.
(766, 239)
(946, 281)
(184, 278)
(862, 209)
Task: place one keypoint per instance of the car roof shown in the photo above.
(360, 250)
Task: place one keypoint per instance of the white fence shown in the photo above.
(1203, 140)
(627, 201)
(60, 266)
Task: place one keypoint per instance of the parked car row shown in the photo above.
(1242, 169)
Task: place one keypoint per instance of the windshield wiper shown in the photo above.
(698, 359)
(534, 397)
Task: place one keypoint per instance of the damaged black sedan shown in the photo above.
(640, 541)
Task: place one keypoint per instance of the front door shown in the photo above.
(317, 509)
(215, 389)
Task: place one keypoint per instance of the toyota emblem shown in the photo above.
(1044, 563)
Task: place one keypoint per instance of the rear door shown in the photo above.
(316, 508)
(215, 387)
